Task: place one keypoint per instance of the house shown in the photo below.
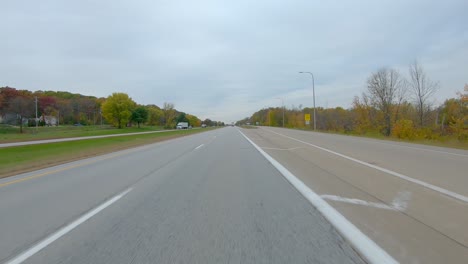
(49, 120)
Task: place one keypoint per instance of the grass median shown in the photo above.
(15, 160)
(11, 134)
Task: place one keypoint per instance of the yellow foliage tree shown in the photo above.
(117, 109)
(193, 120)
(156, 116)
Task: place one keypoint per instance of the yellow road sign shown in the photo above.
(307, 117)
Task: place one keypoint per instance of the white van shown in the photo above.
(182, 125)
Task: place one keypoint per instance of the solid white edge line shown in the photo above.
(396, 174)
(423, 149)
(47, 241)
(367, 248)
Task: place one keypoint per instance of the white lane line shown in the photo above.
(396, 174)
(423, 149)
(377, 141)
(47, 241)
(281, 148)
(367, 248)
(357, 202)
(199, 146)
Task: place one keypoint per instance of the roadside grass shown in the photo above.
(11, 133)
(443, 141)
(15, 160)
(447, 142)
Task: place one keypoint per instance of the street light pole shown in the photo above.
(313, 93)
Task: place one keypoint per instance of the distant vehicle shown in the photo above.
(182, 125)
(203, 125)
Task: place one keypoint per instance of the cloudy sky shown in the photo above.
(226, 59)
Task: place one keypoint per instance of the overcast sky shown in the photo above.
(224, 60)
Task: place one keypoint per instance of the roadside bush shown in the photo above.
(459, 129)
(427, 133)
(404, 129)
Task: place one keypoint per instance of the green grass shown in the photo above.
(11, 134)
(14, 160)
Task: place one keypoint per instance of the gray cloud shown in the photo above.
(225, 59)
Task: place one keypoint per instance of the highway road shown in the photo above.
(205, 198)
(410, 199)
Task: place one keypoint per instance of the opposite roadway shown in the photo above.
(205, 198)
(412, 200)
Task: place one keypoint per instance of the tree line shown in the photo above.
(18, 107)
(392, 105)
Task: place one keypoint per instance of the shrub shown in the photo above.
(404, 129)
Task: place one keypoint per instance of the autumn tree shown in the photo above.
(422, 88)
(7, 94)
(45, 103)
(364, 115)
(2, 102)
(139, 115)
(117, 109)
(64, 111)
(169, 115)
(181, 118)
(209, 122)
(455, 115)
(383, 88)
(155, 115)
(193, 120)
(23, 107)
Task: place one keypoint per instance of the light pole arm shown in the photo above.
(313, 94)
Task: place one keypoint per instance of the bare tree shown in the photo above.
(422, 89)
(464, 96)
(23, 108)
(383, 90)
(169, 114)
(401, 98)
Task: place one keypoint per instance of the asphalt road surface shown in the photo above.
(205, 198)
(412, 200)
